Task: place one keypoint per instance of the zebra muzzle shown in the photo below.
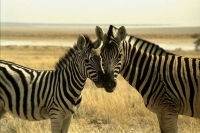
(109, 82)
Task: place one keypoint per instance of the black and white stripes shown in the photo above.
(168, 83)
(37, 95)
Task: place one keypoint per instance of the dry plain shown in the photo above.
(122, 111)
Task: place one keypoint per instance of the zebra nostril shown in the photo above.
(112, 84)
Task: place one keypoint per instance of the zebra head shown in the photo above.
(89, 62)
(112, 55)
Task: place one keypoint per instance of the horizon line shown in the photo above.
(101, 24)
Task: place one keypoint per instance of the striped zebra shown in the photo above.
(168, 83)
(37, 95)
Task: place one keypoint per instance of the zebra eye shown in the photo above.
(120, 55)
(86, 61)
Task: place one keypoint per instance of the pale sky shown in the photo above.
(174, 12)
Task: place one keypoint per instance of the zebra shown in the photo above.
(55, 94)
(169, 84)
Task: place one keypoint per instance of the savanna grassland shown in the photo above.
(122, 111)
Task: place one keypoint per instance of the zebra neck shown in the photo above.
(127, 50)
(139, 66)
(146, 46)
(72, 81)
(77, 76)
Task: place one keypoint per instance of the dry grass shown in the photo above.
(100, 112)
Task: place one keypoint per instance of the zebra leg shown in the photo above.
(56, 122)
(66, 123)
(168, 122)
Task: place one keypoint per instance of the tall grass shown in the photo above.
(100, 112)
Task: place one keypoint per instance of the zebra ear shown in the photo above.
(121, 34)
(99, 33)
(81, 42)
(96, 44)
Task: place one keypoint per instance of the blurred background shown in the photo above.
(164, 22)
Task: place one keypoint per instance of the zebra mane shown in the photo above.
(71, 54)
(113, 30)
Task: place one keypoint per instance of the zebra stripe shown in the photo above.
(168, 83)
(55, 94)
